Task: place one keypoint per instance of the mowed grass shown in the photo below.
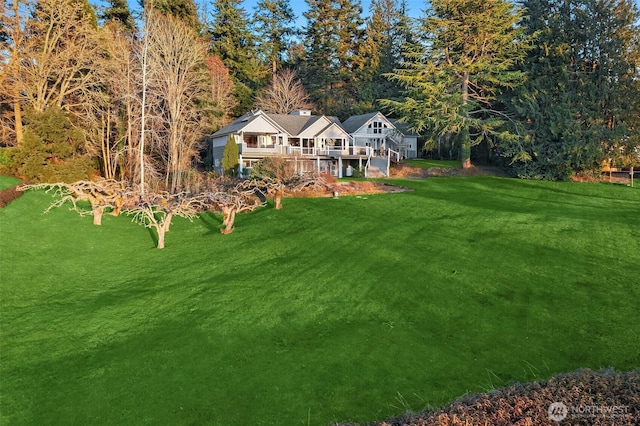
(427, 163)
(350, 309)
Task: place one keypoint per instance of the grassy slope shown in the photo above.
(352, 309)
(426, 164)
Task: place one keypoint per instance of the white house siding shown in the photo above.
(411, 143)
(315, 128)
(320, 140)
(221, 141)
(260, 125)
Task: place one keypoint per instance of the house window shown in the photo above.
(251, 141)
(377, 127)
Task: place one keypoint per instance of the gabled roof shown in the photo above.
(294, 124)
(242, 122)
(334, 130)
(356, 122)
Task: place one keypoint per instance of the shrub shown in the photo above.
(231, 157)
(52, 150)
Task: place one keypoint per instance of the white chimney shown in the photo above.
(306, 112)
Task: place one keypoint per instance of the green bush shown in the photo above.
(52, 150)
(231, 157)
(5, 155)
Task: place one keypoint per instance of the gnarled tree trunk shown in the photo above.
(229, 217)
(97, 215)
(277, 199)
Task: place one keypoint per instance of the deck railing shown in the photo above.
(307, 151)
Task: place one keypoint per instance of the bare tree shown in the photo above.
(101, 194)
(176, 58)
(230, 198)
(279, 176)
(284, 94)
(12, 46)
(155, 210)
(111, 118)
(59, 64)
(220, 92)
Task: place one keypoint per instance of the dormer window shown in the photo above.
(377, 127)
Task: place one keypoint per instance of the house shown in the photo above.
(315, 142)
(377, 131)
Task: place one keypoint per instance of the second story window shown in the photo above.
(377, 127)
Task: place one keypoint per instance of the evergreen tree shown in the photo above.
(385, 36)
(185, 10)
(233, 42)
(118, 11)
(231, 156)
(334, 59)
(581, 98)
(273, 21)
(452, 80)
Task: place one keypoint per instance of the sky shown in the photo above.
(415, 7)
(300, 6)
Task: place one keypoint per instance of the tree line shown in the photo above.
(547, 88)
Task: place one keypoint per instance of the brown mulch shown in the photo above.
(7, 195)
(403, 170)
(603, 397)
(353, 188)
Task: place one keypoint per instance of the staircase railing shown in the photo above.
(396, 154)
(366, 166)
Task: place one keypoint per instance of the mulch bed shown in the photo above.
(583, 397)
(353, 188)
(404, 170)
(7, 195)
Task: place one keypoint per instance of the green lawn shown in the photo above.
(427, 164)
(348, 309)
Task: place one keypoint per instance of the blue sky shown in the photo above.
(299, 6)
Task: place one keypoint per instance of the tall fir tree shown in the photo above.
(274, 21)
(452, 79)
(118, 11)
(334, 58)
(185, 10)
(385, 36)
(581, 97)
(233, 42)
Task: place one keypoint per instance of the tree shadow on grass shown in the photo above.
(211, 221)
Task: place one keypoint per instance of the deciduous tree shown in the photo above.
(155, 210)
(221, 101)
(13, 43)
(176, 79)
(285, 94)
(101, 194)
(60, 65)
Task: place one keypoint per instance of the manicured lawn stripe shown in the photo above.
(348, 309)
(426, 164)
